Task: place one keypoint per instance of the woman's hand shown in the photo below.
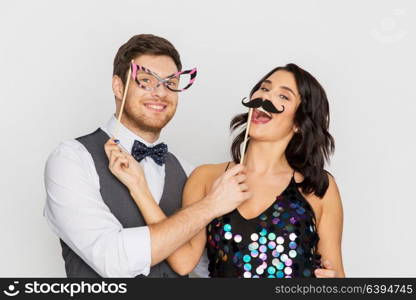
(124, 166)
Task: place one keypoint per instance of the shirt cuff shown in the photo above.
(137, 245)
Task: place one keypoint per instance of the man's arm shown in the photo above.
(77, 213)
(168, 234)
(184, 259)
(173, 232)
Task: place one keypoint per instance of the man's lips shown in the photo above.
(260, 116)
(155, 106)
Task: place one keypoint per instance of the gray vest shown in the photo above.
(117, 197)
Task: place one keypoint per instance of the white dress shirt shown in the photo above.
(76, 212)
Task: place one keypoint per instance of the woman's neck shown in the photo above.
(267, 158)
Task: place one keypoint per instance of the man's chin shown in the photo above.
(148, 122)
(153, 126)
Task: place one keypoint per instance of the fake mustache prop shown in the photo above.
(267, 105)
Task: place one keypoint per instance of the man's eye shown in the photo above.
(264, 89)
(283, 97)
(144, 79)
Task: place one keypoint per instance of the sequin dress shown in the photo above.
(279, 243)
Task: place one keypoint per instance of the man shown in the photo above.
(102, 232)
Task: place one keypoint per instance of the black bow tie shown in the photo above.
(158, 152)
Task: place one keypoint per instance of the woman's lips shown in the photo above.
(260, 117)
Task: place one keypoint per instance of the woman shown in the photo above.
(291, 226)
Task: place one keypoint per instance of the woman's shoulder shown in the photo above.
(332, 193)
(210, 170)
(202, 178)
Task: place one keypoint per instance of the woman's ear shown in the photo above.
(117, 86)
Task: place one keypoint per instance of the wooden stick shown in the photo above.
(122, 103)
(250, 112)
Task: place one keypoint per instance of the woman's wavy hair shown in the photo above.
(312, 145)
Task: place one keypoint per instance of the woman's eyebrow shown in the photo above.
(282, 87)
(288, 89)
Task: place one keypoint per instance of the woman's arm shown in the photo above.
(183, 260)
(330, 233)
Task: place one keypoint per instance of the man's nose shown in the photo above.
(159, 91)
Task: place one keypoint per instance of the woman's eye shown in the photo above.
(283, 97)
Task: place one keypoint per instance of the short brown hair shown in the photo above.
(140, 45)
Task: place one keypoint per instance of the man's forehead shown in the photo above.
(160, 64)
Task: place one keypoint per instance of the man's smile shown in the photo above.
(155, 106)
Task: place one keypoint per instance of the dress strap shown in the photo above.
(227, 166)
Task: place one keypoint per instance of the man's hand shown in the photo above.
(124, 166)
(228, 191)
(328, 272)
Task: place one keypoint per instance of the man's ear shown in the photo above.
(117, 86)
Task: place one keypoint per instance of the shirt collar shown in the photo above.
(125, 135)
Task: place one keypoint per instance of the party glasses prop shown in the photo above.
(149, 80)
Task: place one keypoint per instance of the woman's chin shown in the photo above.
(262, 136)
(259, 138)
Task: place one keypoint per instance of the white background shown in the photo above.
(55, 75)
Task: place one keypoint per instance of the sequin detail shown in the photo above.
(280, 243)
